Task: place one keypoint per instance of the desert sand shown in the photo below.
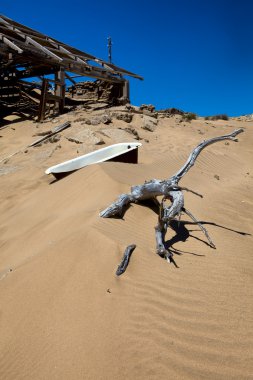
(66, 315)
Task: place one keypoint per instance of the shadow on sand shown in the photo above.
(182, 233)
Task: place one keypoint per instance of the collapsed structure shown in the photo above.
(98, 91)
(26, 53)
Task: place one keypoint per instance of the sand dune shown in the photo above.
(64, 313)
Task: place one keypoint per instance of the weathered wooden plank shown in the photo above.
(125, 260)
(10, 44)
(54, 131)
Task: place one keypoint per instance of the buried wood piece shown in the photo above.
(53, 132)
(170, 190)
(125, 260)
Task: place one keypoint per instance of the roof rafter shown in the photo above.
(10, 43)
(28, 45)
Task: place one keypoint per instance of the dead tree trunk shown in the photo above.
(170, 190)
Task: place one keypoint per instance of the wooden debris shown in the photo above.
(53, 132)
(170, 190)
(125, 260)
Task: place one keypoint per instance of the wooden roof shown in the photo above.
(32, 53)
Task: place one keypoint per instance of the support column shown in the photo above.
(126, 92)
(60, 90)
(43, 100)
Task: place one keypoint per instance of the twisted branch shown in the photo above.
(169, 189)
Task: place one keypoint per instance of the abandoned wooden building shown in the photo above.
(26, 53)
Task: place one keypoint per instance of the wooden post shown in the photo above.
(43, 100)
(124, 96)
(60, 90)
(126, 91)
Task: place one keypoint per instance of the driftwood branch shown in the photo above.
(170, 190)
(125, 260)
(200, 226)
(195, 153)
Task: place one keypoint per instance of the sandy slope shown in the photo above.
(65, 315)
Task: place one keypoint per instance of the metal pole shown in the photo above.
(109, 45)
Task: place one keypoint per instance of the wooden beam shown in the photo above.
(94, 73)
(79, 68)
(36, 48)
(10, 44)
(35, 72)
(29, 32)
(67, 52)
(42, 48)
(51, 133)
(29, 40)
(70, 78)
(73, 53)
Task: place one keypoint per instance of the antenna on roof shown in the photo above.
(109, 45)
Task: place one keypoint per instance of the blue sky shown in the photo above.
(195, 55)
